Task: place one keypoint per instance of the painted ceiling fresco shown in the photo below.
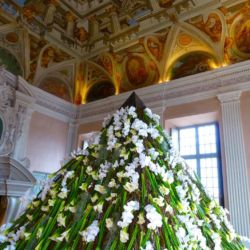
(83, 51)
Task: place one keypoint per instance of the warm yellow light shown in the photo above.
(213, 65)
(84, 92)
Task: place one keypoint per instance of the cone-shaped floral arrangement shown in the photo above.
(129, 190)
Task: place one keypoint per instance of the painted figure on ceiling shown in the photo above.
(242, 36)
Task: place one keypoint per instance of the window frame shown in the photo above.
(198, 156)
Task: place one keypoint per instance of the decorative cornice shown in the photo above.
(234, 78)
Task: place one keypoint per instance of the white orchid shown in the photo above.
(124, 236)
(127, 214)
(90, 233)
(155, 219)
(101, 189)
(109, 223)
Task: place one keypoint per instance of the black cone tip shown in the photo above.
(134, 101)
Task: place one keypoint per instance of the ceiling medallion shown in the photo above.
(11, 37)
(184, 40)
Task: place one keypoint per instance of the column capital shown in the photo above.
(229, 96)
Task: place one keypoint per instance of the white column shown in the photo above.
(23, 119)
(236, 165)
(71, 138)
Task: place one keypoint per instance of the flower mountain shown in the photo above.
(129, 190)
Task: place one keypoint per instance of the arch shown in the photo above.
(198, 41)
(240, 35)
(100, 90)
(57, 87)
(10, 62)
(191, 63)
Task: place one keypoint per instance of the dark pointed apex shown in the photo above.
(134, 101)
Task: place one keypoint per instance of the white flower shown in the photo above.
(139, 146)
(3, 238)
(46, 188)
(90, 233)
(45, 208)
(62, 236)
(127, 214)
(149, 246)
(164, 190)
(181, 233)
(61, 220)
(10, 247)
(159, 201)
(101, 189)
(30, 217)
(155, 219)
(63, 193)
(94, 198)
(131, 111)
(124, 236)
(153, 132)
(130, 187)
(141, 219)
(154, 117)
(51, 202)
(169, 209)
(217, 241)
(168, 176)
(68, 175)
(144, 160)
(72, 209)
(104, 168)
(154, 154)
(112, 195)
(109, 223)
(89, 169)
(120, 174)
(98, 207)
(112, 183)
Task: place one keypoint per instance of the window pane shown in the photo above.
(187, 141)
(192, 163)
(209, 176)
(207, 139)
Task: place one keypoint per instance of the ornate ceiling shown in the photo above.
(84, 50)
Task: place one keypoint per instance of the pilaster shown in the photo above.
(24, 114)
(71, 138)
(236, 165)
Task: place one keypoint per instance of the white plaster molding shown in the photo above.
(71, 138)
(235, 156)
(230, 96)
(188, 89)
(15, 179)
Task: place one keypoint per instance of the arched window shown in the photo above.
(100, 90)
